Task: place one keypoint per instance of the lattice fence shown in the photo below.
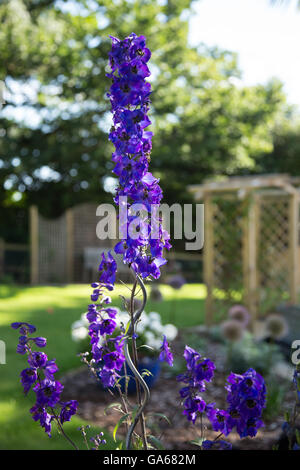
(273, 250)
(251, 249)
(227, 252)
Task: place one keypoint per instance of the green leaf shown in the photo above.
(156, 442)
(113, 405)
(127, 328)
(146, 347)
(121, 420)
(146, 373)
(198, 443)
(161, 415)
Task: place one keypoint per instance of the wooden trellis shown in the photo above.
(251, 253)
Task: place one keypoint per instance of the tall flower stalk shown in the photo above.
(138, 197)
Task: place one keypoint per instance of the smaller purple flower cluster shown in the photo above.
(98, 441)
(246, 397)
(40, 377)
(24, 341)
(216, 445)
(199, 371)
(107, 352)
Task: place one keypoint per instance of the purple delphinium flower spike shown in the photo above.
(40, 377)
(130, 101)
(199, 371)
(246, 397)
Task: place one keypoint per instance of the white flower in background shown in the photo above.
(157, 327)
(154, 316)
(170, 331)
(77, 324)
(84, 319)
(122, 318)
(79, 333)
(143, 322)
(152, 340)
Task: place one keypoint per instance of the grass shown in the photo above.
(52, 310)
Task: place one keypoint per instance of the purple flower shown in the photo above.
(28, 378)
(92, 313)
(22, 349)
(138, 48)
(39, 341)
(37, 359)
(111, 312)
(108, 378)
(39, 413)
(192, 357)
(205, 370)
(108, 269)
(24, 327)
(216, 445)
(107, 326)
(48, 392)
(165, 352)
(113, 360)
(250, 427)
(193, 407)
(68, 409)
(218, 419)
(50, 369)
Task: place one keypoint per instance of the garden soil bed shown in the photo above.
(94, 402)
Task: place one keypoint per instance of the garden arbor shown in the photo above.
(251, 253)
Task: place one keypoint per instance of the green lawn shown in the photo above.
(52, 310)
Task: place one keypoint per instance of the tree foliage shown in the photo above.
(54, 150)
(284, 157)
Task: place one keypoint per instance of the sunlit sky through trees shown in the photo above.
(266, 38)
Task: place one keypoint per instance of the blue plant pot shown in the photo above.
(151, 365)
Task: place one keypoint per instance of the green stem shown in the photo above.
(135, 361)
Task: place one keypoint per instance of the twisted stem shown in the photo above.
(133, 366)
